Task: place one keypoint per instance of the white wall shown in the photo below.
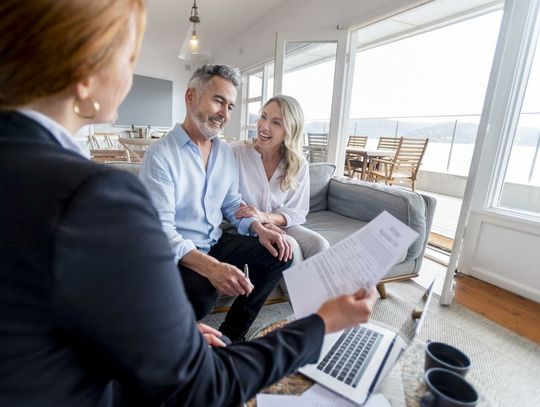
(162, 63)
(156, 62)
(256, 45)
(503, 252)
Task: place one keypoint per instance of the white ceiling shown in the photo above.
(221, 20)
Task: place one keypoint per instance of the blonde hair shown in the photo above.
(46, 46)
(293, 123)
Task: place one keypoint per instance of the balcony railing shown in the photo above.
(451, 141)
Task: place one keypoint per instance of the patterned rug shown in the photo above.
(505, 366)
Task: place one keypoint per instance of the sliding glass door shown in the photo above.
(501, 206)
(311, 68)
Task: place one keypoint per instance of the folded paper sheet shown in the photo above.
(316, 396)
(358, 261)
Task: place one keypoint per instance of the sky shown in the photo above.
(442, 72)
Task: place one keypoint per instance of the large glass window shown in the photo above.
(430, 85)
(259, 83)
(308, 76)
(521, 188)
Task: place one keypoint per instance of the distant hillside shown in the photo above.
(436, 132)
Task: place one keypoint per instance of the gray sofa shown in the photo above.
(340, 206)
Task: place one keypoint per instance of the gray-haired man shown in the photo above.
(192, 178)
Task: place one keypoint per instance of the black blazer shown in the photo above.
(92, 308)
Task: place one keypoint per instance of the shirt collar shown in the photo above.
(184, 139)
(59, 132)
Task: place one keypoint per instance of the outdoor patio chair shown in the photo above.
(353, 162)
(403, 166)
(388, 143)
(318, 147)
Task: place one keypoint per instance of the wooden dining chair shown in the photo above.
(107, 139)
(136, 147)
(354, 162)
(403, 166)
(161, 133)
(108, 155)
(318, 147)
(101, 140)
(228, 139)
(104, 148)
(357, 141)
(388, 143)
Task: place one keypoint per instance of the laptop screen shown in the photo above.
(412, 326)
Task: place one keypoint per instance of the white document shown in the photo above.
(325, 397)
(318, 397)
(320, 394)
(358, 261)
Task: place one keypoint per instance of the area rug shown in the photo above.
(505, 366)
(268, 315)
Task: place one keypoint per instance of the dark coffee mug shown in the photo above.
(440, 354)
(447, 389)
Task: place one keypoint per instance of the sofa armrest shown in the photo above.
(365, 200)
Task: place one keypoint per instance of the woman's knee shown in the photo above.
(296, 249)
(315, 244)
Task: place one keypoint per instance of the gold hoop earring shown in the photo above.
(77, 109)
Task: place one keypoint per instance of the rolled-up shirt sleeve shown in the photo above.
(296, 205)
(161, 186)
(231, 204)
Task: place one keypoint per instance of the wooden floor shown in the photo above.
(507, 309)
(439, 241)
(446, 215)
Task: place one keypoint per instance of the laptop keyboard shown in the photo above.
(348, 358)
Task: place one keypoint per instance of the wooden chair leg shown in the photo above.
(382, 290)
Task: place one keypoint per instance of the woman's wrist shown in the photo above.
(264, 217)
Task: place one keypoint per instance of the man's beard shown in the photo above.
(201, 122)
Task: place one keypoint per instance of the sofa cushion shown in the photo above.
(365, 200)
(319, 177)
(335, 227)
(332, 226)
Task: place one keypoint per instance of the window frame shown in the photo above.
(264, 70)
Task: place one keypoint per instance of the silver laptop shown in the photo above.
(355, 361)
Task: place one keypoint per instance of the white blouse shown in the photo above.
(266, 195)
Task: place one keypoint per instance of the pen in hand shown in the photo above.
(246, 274)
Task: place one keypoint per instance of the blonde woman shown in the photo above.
(274, 176)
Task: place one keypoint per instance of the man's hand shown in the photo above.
(225, 277)
(251, 211)
(277, 229)
(228, 279)
(347, 311)
(211, 335)
(275, 242)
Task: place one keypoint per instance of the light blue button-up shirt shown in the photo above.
(191, 200)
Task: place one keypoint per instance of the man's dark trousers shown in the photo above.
(265, 271)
